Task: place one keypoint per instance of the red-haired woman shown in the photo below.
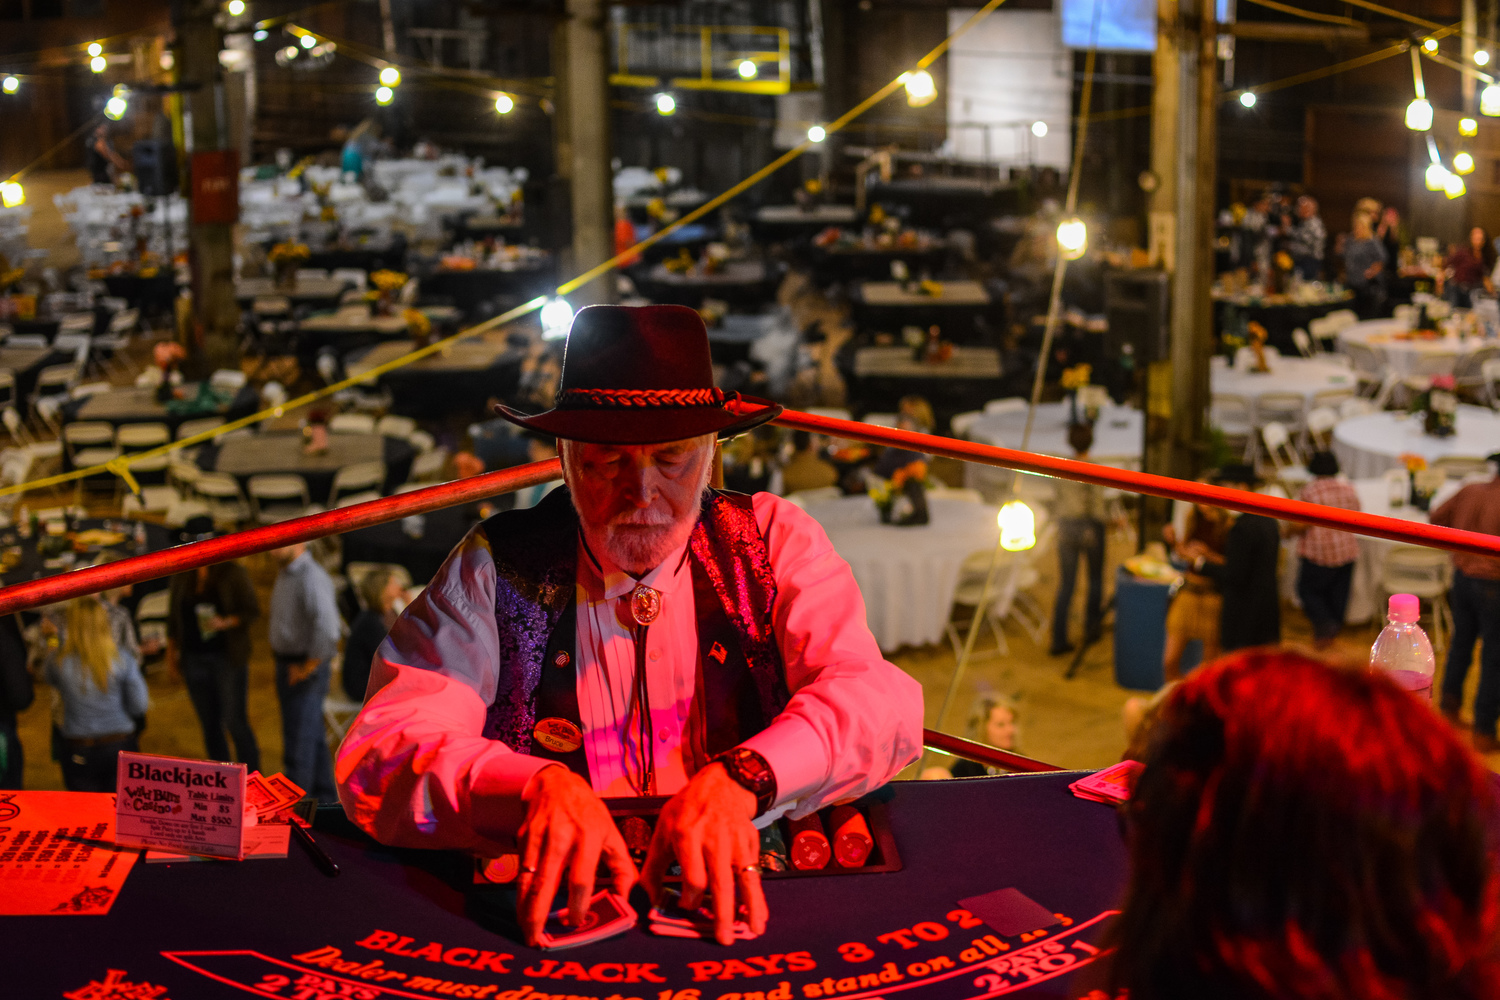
(1304, 831)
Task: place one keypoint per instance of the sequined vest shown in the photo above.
(741, 677)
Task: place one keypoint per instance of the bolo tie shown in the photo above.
(645, 607)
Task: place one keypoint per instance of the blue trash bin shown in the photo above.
(1141, 632)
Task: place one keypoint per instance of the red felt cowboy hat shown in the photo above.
(640, 375)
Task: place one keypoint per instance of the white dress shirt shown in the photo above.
(414, 769)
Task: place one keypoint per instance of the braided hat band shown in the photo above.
(612, 399)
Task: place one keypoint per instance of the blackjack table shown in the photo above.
(410, 923)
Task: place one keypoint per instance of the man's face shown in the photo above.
(638, 503)
(1306, 207)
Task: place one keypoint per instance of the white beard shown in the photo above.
(641, 540)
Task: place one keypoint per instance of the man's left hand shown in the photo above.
(707, 827)
(296, 673)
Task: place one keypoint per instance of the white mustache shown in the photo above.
(647, 518)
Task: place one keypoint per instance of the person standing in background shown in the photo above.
(1365, 264)
(305, 629)
(1326, 557)
(208, 643)
(1306, 239)
(384, 599)
(102, 693)
(1475, 600)
(1197, 608)
(1246, 577)
(16, 696)
(1079, 510)
(1469, 269)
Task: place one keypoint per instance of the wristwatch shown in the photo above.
(750, 770)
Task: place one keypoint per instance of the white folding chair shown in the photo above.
(192, 428)
(223, 496)
(391, 425)
(1320, 423)
(351, 423)
(1288, 408)
(1302, 342)
(275, 498)
(1232, 415)
(356, 478)
(1427, 573)
(1283, 455)
(429, 466)
(962, 423)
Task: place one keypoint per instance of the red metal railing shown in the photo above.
(37, 593)
(983, 753)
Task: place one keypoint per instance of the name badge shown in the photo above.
(558, 735)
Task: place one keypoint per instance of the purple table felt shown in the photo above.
(410, 923)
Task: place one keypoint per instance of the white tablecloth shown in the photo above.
(1404, 357)
(1306, 376)
(907, 575)
(1367, 446)
(1118, 432)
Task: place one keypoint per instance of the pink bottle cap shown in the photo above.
(1405, 608)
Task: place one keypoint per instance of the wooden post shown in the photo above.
(581, 129)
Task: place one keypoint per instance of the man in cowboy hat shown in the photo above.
(633, 634)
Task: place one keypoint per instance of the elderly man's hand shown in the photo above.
(707, 826)
(567, 827)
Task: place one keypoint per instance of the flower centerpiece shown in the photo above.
(1423, 482)
(902, 499)
(1073, 379)
(1438, 405)
(387, 283)
(285, 258)
(1258, 337)
(418, 326)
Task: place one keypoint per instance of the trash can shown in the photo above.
(1141, 632)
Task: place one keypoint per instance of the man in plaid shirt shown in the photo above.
(1326, 557)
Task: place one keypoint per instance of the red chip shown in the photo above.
(852, 842)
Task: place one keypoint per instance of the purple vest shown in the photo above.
(742, 680)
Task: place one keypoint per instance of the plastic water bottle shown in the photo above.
(1402, 649)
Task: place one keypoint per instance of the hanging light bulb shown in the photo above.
(12, 195)
(95, 49)
(504, 104)
(1429, 45)
(308, 41)
(261, 35)
(1435, 177)
(817, 134)
(1017, 527)
(1248, 98)
(1453, 186)
(1468, 127)
(1072, 237)
(1489, 100)
(1463, 163)
(557, 318)
(920, 88)
(235, 7)
(97, 64)
(115, 107)
(748, 70)
(10, 85)
(1419, 115)
(1481, 57)
(666, 104)
(1039, 129)
(383, 95)
(390, 76)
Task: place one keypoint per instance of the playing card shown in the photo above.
(671, 920)
(607, 915)
(1111, 785)
(1009, 912)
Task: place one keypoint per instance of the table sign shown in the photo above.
(189, 806)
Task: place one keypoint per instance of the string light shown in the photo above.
(1419, 111)
(97, 64)
(504, 104)
(1468, 127)
(1039, 129)
(1481, 57)
(261, 35)
(12, 195)
(390, 76)
(1435, 177)
(666, 104)
(308, 41)
(10, 85)
(235, 7)
(115, 107)
(817, 134)
(383, 95)
(557, 318)
(920, 88)
(1453, 186)
(748, 70)
(1072, 237)
(95, 49)
(1248, 98)
(1017, 527)
(1463, 163)
(1430, 44)
(1489, 101)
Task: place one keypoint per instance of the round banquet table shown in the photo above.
(1367, 446)
(1118, 433)
(1404, 357)
(1304, 376)
(279, 928)
(907, 574)
(266, 454)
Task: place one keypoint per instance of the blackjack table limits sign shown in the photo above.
(412, 924)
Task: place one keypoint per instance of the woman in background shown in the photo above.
(1301, 831)
(1469, 269)
(384, 598)
(102, 692)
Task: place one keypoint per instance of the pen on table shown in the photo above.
(320, 857)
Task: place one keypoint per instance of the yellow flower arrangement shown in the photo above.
(933, 288)
(681, 264)
(417, 323)
(301, 166)
(1414, 463)
(1283, 260)
(1077, 376)
(287, 252)
(387, 281)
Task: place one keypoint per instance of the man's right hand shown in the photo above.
(567, 828)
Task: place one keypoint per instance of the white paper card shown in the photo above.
(189, 806)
